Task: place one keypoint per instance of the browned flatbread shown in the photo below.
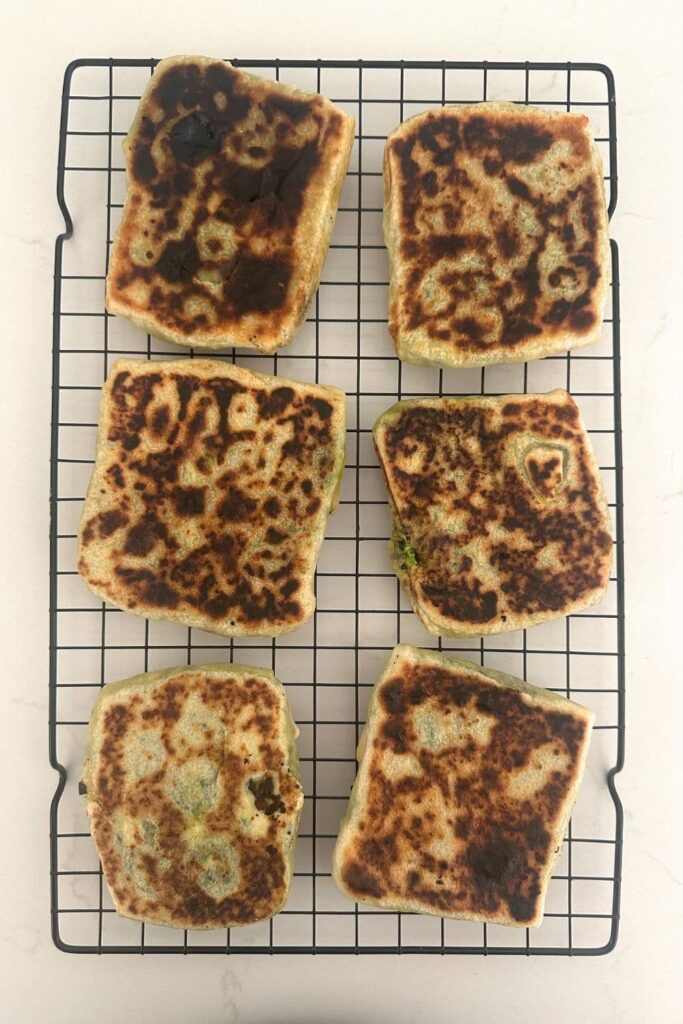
(233, 187)
(210, 494)
(192, 789)
(465, 784)
(500, 520)
(497, 232)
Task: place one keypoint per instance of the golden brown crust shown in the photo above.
(500, 517)
(496, 226)
(465, 785)
(233, 185)
(210, 493)
(193, 795)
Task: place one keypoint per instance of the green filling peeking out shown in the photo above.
(403, 550)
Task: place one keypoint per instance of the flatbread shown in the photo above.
(233, 188)
(500, 519)
(192, 789)
(210, 493)
(497, 231)
(465, 785)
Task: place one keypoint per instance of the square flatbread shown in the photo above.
(192, 788)
(496, 226)
(500, 520)
(465, 785)
(210, 493)
(233, 187)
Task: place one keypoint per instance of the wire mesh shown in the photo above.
(329, 665)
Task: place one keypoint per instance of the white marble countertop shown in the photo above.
(637, 982)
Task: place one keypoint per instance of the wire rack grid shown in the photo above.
(328, 666)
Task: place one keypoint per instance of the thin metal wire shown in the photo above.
(440, 642)
(527, 937)
(105, 369)
(359, 299)
(314, 808)
(482, 651)
(68, 396)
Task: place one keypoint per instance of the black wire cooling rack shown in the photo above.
(329, 666)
